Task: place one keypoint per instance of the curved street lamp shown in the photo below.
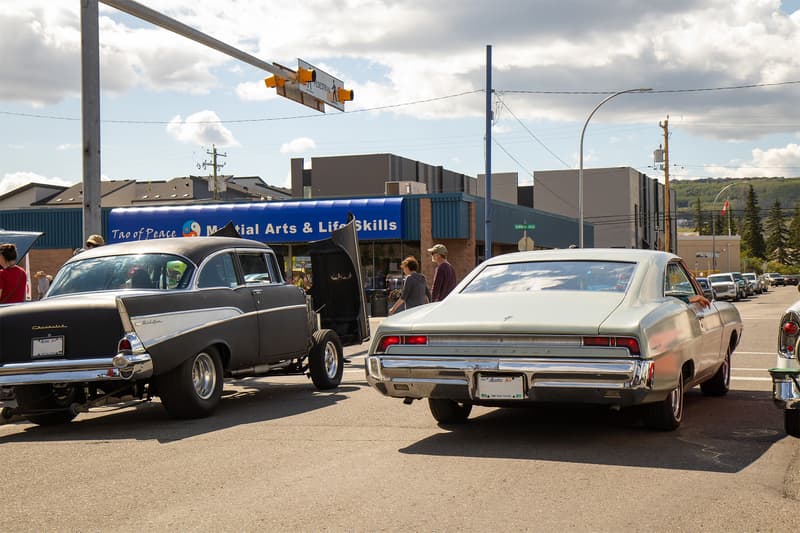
(714, 227)
(580, 170)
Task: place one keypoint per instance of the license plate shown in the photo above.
(492, 387)
(48, 347)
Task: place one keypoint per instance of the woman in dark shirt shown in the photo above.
(415, 287)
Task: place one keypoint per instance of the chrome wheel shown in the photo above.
(204, 376)
(331, 360)
(676, 400)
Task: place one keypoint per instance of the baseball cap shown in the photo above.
(440, 249)
(95, 240)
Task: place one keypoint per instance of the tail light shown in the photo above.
(391, 340)
(124, 345)
(631, 343)
(788, 336)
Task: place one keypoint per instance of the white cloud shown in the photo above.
(202, 127)
(772, 162)
(14, 180)
(67, 146)
(255, 91)
(15, 146)
(298, 146)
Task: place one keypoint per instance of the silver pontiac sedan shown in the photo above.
(602, 326)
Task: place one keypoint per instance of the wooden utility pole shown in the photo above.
(213, 163)
(667, 217)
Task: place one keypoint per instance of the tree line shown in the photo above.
(776, 239)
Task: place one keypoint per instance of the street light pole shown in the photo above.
(580, 169)
(714, 227)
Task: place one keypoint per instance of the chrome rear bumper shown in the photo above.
(785, 392)
(606, 381)
(120, 367)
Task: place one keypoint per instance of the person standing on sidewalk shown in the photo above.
(13, 278)
(444, 277)
(415, 287)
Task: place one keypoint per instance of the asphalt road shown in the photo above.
(281, 456)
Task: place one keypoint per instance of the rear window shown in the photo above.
(719, 279)
(142, 271)
(607, 276)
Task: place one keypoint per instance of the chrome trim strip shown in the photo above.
(140, 366)
(785, 393)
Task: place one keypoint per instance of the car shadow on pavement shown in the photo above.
(717, 435)
(243, 402)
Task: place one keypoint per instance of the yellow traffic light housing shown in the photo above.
(305, 75)
(344, 95)
(274, 81)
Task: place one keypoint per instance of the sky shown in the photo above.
(725, 74)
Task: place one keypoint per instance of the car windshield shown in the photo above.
(607, 276)
(703, 283)
(143, 271)
(720, 278)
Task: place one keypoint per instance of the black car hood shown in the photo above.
(336, 287)
(23, 240)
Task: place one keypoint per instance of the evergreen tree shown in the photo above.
(752, 232)
(793, 240)
(776, 233)
(699, 218)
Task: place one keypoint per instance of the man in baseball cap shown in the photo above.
(444, 277)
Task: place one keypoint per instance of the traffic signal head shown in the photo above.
(274, 81)
(305, 75)
(344, 95)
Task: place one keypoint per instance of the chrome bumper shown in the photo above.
(119, 367)
(607, 381)
(785, 392)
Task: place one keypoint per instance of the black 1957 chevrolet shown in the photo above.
(172, 318)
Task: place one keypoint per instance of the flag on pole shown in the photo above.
(724, 207)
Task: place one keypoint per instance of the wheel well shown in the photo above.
(224, 354)
(687, 370)
(734, 341)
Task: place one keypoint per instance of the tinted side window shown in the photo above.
(218, 272)
(255, 268)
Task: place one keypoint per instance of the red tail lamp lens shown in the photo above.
(417, 339)
(630, 343)
(388, 341)
(790, 328)
(597, 341)
(124, 345)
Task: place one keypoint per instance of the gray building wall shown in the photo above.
(366, 175)
(625, 206)
(504, 186)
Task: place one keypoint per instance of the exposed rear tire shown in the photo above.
(326, 360)
(667, 414)
(791, 422)
(720, 383)
(44, 397)
(449, 411)
(194, 388)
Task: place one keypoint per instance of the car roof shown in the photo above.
(586, 254)
(193, 248)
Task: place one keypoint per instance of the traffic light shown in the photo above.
(274, 81)
(343, 95)
(305, 75)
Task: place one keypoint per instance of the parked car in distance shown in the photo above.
(172, 318)
(744, 288)
(786, 374)
(752, 280)
(775, 279)
(790, 279)
(725, 287)
(708, 290)
(600, 326)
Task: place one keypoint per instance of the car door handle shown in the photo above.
(257, 292)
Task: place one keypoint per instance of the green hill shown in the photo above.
(786, 190)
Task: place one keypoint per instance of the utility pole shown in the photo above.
(667, 218)
(213, 164)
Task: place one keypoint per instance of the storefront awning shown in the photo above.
(270, 222)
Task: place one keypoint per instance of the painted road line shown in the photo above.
(734, 378)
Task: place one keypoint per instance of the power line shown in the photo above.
(499, 99)
(702, 89)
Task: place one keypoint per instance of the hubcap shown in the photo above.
(676, 399)
(204, 376)
(726, 369)
(331, 360)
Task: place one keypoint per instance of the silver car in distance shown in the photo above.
(599, 326)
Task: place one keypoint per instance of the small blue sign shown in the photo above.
(269, 222)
